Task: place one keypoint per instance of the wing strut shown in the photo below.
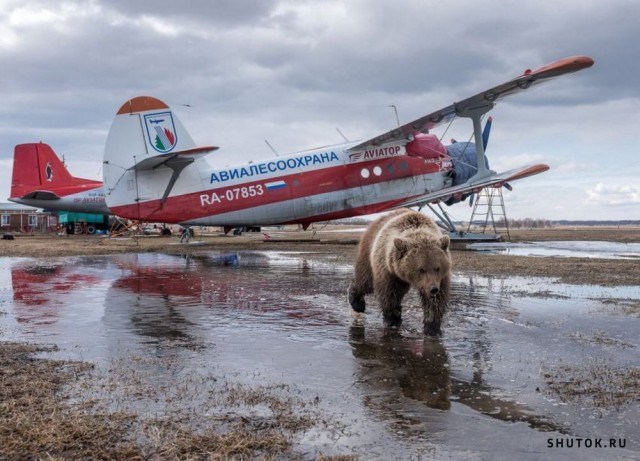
(475, 114)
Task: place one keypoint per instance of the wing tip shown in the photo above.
(565, 65)
(529, 171)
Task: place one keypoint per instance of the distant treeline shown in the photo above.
(524, 223)
(530, 223)
(626, 222)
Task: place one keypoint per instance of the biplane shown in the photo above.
(154, 171)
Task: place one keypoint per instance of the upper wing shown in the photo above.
(497, 179)
(483, 99)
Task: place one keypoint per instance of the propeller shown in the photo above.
(486, 132)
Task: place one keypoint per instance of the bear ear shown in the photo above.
(444, 242)
(402, 246)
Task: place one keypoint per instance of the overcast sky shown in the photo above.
(293, 71)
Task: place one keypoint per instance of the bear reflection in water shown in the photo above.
(420, 368)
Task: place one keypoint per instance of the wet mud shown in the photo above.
(268, 338)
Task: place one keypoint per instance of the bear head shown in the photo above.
(422, 261)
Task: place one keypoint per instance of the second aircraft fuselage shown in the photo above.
(82, 200)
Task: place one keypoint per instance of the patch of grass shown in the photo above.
(34, 423)
(542, 294)
(599, 338)
(53, 409)
(594, 383)
(620, 306)
(171, 440)
(338, 458)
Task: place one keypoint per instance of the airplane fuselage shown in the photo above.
(84, 201)
(311, 186)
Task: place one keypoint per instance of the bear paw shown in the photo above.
(392, 320)
(356, 301)
(432, 330)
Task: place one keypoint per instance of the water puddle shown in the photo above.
(497, 385)
(562, 249)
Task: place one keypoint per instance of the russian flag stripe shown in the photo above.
(275, 185)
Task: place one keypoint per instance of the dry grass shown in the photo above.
(33, 422)
(578, 271)
(170, 440)
(620, 306)
(599, 338)
(622, 234)
(594, 384)
(37, 421)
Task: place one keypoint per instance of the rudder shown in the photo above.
(37, 167)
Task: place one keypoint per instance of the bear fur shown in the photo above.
(401, 250)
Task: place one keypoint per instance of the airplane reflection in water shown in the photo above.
(175, 302)
(223, 281)
(41, 290)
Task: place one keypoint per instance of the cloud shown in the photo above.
(507, 162)
(613, 194)
(290, 72)
(575, 167)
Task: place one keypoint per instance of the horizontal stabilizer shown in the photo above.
(165, 159)
(41, 195)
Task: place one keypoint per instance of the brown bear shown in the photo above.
(401, 250)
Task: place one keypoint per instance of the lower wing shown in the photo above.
(475, 186)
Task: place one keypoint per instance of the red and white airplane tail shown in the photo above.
(38, 173)
(40, 179)
(145, 136)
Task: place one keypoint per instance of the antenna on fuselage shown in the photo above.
(272, 149)
(342, 134)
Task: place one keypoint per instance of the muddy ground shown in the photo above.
(335, 240)
(534, 348)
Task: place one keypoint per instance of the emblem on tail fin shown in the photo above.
(48, 171)
(161, 131)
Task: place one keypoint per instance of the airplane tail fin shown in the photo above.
(147, 148)
(36, 167)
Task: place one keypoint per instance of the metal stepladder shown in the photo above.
(490, 210)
